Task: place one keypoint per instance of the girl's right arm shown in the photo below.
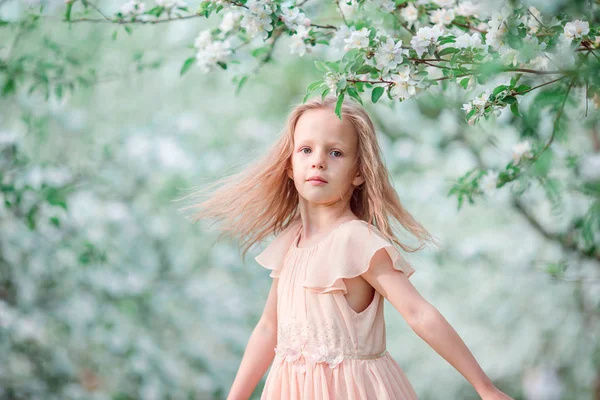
(259, 351)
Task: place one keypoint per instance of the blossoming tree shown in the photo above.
(402, 48)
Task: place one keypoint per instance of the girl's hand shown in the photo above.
(495, 394)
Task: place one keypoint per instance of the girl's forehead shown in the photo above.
(324, 126)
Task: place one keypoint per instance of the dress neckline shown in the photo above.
(297, 238)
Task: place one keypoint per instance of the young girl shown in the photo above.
(324, 190)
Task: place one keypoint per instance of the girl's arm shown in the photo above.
(259, 351)
(427, 322)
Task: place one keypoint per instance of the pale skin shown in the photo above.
(327, 147)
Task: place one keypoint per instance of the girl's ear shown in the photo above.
(358, 180)
(290, 173)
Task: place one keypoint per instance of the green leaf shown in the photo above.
(498, 89)
(354, 94)
(510, 100)
(186, 65)
(448, 50)
(325, 93)
(464, 82)
(261, 50)
(241, 83)
(522, 88)
(114, 35)
(68, 11)
(315, 85)
(320, 65)
(376, 93)
(514, 108)
(515, 79)
(542, 165)
(127, 29)
(367, 69)
(9, 87)
(338, 105)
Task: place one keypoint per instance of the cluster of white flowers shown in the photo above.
(230, 20)
(532, 20)
(389, 55)
(496, 32)
(489, 182)
(383, 5)
(466, 9)
(425, 36)
(465, 41)
(442, 16)
(293, 17)
(576, 29)
(541, 62)
(357, 39)
(133, 8)
(258, 18)
(298, 45)
(410, 13)
(521, 151)
(210, 51)
(331, 80)
(405, 84)
(479, 104)
(169, 4)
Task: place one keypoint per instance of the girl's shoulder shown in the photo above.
(348, 255)
(273, 255)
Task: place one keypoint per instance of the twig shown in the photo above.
(337, 3)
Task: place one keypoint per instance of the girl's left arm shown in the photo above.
(428, 323)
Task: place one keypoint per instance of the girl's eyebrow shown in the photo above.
(307, 141)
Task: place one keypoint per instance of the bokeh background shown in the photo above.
(108, 292)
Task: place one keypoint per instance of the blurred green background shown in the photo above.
(108, 292)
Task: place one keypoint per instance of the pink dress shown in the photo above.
(326, 350)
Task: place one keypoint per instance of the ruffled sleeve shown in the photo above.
(272, 256)
(349, 255)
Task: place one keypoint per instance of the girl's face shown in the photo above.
(325, 147)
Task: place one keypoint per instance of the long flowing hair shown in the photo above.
(262, 200)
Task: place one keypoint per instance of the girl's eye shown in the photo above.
(334, 151)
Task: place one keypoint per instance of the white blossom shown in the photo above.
(404, 85)
(293, 17)
(488, 182)
(481, 100)
(466, 9)
(589, 166)
(203, 39)
(257, 19)
(465, 41)
(410, 13)
(521, 150)
(532, 21)
(442, 16)
(340, 36)
(255, 25)
(171, 3)
(358, 39)
(445, 3)
(210, 52)
(229, 21)
(331, 80)
(133, 7)
(576, 29)
(298, 46)
(389, 55)
(541, 62)
(424, 37)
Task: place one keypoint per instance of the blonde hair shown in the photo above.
(262, 199)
